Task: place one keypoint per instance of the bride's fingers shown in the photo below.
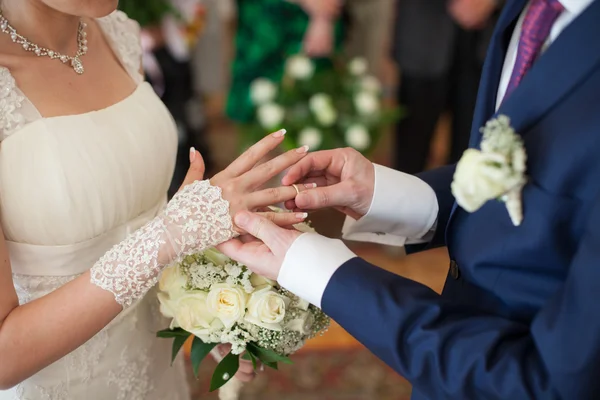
(196, 170)
(264, 172)
(285, 219)
(254, 154)
(266, 197)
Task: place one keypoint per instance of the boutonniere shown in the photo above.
(497, 171)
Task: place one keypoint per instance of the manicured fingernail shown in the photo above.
(310, 185)
(279, 133)
(301, 215)
(241, 219)
(302, 149)
(192, 154)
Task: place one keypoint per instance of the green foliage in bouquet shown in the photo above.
(324, 109)
(147, 12)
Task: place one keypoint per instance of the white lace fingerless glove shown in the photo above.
(195, 219)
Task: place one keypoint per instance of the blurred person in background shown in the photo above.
(268, 32)
(368, 31)
(439, 46)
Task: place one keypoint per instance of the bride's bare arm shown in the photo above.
(34, 335)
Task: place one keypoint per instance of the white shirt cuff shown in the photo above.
(310, 263)
(404, 210)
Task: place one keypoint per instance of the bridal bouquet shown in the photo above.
(217, 300)
(322, 108)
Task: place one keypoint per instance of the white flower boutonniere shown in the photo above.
(497, 171)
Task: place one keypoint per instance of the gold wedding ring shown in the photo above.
(297, 190)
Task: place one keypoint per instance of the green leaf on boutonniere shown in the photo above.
(199, 351)
(226, 369)
(172, 333)
(267, 356)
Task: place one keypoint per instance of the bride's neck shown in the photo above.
(42, 25)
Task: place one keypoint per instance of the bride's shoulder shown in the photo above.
(11, 100)
(124, 35)
(118, 22)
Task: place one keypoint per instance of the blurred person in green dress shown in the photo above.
(268, 32)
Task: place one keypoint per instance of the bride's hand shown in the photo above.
(240, 182)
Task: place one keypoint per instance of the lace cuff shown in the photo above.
(196, 218)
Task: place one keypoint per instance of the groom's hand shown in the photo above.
(264, 251)
(345, 180)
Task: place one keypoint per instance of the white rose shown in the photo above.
(358, 66)
(172, 280)
(480, 177)
(270, 115)
(258, 280)
(191, 312)
(310, 137)
(300, 67)
(216, 257)
(262, 91)
(266, 308)
(366, 103)
(358, 137)
(227, 302)
(370, 84)
(302, 323)
(167, 306)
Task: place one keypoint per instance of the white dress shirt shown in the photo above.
(404, 208)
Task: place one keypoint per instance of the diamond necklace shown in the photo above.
(39, 51)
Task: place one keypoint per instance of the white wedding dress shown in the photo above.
(71, 187)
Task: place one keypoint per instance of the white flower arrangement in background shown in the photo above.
(497, 171)
(300, 67)
(262, 91)
(358, 66)
(335, 105)
(270, 115)
(366, 103)
(358, 137)
(311, 137)
(216, 300)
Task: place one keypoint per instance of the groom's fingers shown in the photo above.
(327, 160)
(338, 195)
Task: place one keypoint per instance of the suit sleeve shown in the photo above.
(454, 352)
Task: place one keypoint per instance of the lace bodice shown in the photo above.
(72, 188)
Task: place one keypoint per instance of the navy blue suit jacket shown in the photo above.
(522, 319)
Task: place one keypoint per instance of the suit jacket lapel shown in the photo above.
(492, 69)
(566, 63)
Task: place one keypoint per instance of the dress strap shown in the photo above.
(123, 35)
(15, 109)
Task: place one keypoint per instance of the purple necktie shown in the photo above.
(538, 21)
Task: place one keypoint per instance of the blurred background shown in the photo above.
(395, 79)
